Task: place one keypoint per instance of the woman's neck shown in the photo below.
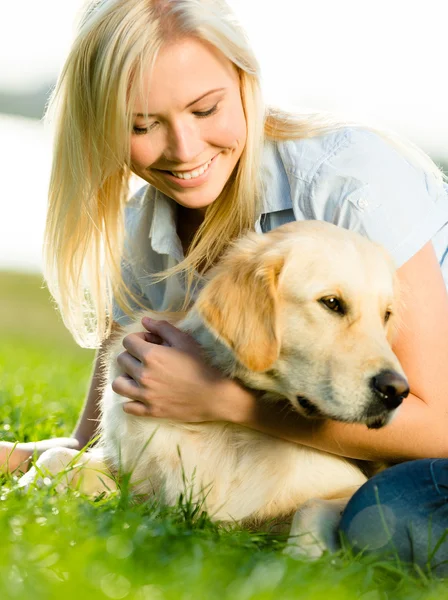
(188, 222)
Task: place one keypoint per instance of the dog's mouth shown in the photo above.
(372, 421)
(309, 409)
(379, 419)
(377, 422)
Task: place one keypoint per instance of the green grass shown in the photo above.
(66, 546)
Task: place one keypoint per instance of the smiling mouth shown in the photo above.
(192, 174)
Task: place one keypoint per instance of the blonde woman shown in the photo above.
(169, 90)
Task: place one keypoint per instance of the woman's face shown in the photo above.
(190, 129)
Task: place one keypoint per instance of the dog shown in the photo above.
(304, 314)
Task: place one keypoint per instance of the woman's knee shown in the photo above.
(403, 511)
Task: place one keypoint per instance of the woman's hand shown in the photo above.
(166, 376)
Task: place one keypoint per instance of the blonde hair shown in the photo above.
(92, 111)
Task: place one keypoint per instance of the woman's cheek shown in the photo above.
(235, 124)
(145, 149)
(228, 131)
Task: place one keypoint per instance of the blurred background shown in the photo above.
(381, 62)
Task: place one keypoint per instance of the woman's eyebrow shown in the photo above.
(145, 115)
(204, 96)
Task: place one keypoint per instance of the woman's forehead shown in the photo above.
(184, 71)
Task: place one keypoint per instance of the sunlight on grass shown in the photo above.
(65, 546)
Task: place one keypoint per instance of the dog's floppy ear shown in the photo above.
(239, 305)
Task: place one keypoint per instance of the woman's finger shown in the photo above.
(127, 387)
(166, 331)
(137, 409)
(137, 345)
(130, 365)
(153, 338)
(147, 336)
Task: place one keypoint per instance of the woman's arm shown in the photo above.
(87, 424)
(416, 432)
(175, 385)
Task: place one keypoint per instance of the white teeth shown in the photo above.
(192, 174)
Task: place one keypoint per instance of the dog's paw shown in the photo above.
(314, 528)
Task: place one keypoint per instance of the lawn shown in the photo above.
(64, 547)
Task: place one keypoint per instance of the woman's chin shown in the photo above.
(194, 197)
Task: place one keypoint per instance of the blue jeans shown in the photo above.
(403, 511)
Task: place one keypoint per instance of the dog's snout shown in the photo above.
(390, 387)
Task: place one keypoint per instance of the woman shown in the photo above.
(169, 90)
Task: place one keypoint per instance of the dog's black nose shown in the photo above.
(390, 387)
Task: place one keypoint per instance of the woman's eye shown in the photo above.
(206, 113)
(143, 130)
(139, 130)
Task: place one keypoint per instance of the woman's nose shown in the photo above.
(183, 144)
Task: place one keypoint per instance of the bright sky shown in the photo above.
(382, 61)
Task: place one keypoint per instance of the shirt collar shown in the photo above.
(275, 190)
(163, 233)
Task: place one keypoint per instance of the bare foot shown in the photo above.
(17, 456)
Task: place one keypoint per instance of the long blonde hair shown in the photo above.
(92, 111)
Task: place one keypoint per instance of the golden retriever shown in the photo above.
(304, 314)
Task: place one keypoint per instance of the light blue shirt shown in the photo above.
(351, 177)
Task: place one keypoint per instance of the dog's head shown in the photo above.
(308, 312)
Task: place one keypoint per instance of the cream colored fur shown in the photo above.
(261, 319)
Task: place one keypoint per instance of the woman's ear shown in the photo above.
(239, 305)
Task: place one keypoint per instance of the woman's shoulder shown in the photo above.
(351, 159)
(351, 149)
(328, 166)
(369, 182)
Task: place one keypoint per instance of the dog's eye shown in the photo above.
(387, 316)
(334, 304)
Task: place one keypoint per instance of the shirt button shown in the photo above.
(362, 203)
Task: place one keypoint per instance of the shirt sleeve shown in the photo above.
(370, 186)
